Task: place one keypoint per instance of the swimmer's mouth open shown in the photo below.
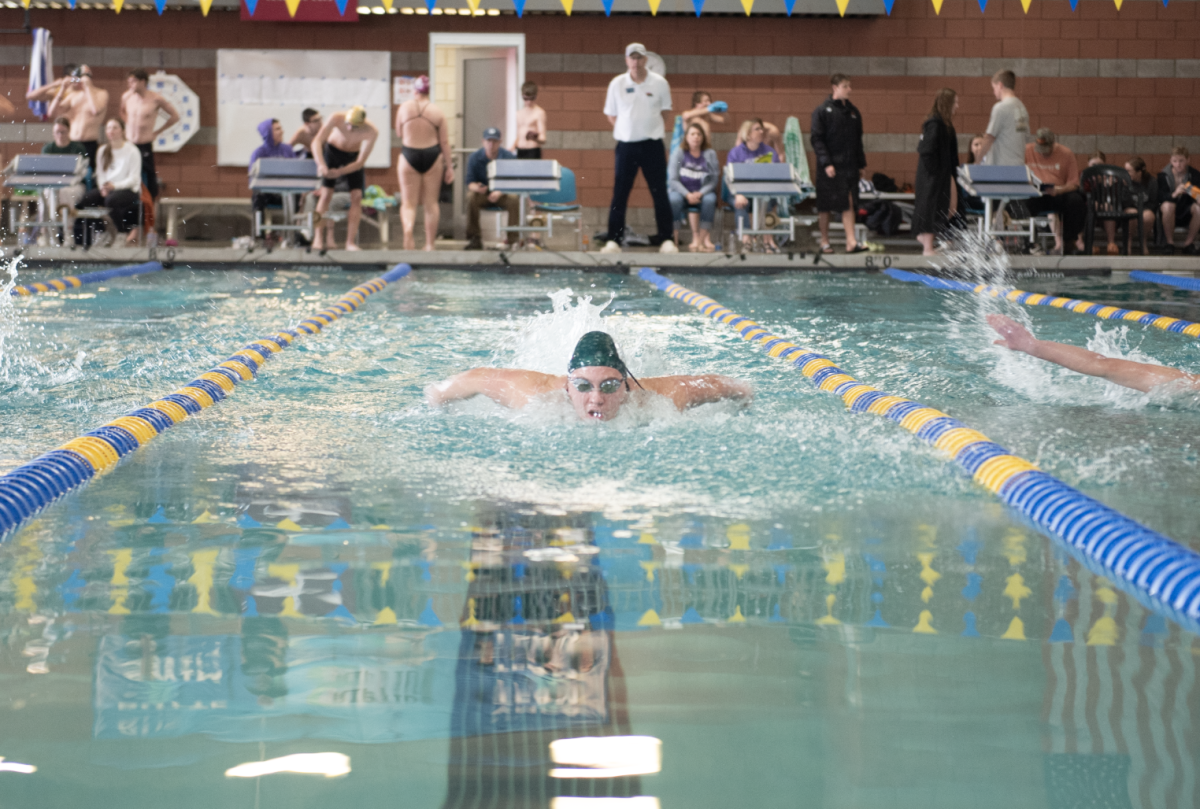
(595, 414)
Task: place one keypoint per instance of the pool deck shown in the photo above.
(534, 261)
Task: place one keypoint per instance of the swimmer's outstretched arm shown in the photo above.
(1137, 375)
(506, 386)
(691, 391)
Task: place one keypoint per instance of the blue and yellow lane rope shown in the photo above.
(28, 489)
(1162, 572)
(1192, 284)
(73, 281)
(1069, 304)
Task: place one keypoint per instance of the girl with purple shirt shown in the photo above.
(692, 176)
(751, 148)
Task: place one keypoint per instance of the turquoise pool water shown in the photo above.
(805, 606)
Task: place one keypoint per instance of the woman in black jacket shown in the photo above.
(936, 164)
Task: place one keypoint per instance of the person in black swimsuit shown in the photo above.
(341, 148)
(425, 161)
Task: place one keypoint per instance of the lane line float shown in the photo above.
(28, 489)
(1069, 304)
(1166, 280)
(71, 281)
(1161, 572)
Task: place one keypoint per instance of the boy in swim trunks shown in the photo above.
(596, 384)
(341, 148)
(531, 125)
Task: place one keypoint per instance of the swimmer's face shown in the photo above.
(594, 404)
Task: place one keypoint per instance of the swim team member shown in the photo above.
(1141, 376)
(597, 384)
(341, 148)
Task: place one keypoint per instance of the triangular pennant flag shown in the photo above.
(26, 3)
(608, 4)
(790, 4)
(982, 6)
(698, 5)
(205, 5)
(341, 5)
(474, 4)
(251, 6)
(519, 5)
(117, 5)
(429, 4)
(842, 6)
(1025, 5)
(747, 5)
(71, 3)
(159, 5)
(654, 4)
(937, 6)
(887, 6)
(1118, 2)
(1074, 4)
(566, 4)
(292, 5)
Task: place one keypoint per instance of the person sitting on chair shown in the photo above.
(271, 132)
(1179, 192)
(118, 183)
(478, 194)
(752, 148)
(693, 175)
(62, 144)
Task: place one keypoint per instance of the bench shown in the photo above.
(174, 206)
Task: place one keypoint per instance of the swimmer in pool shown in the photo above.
(1137, 375)
(597, 384)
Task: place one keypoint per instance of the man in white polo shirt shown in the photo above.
(635, 106)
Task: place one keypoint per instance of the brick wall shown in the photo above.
(1125, 81)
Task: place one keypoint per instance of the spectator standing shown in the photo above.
(634, 106)
(303, 137)
(118, 183)
(1178, 187)
(531, 125)
(424, 161)
(704, 112)
(693, 174)
(271, 132)
(479, 196)
(1008, 128)
(62, 144)
(1055, 165)
(837, 142)
(139, 109)
(937, 160)
(751, 148)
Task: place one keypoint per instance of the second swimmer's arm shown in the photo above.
(1137, 375)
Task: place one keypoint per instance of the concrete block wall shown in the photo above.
(1122, 81)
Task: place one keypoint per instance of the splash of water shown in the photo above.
(545, 341)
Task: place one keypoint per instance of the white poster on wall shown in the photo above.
(253, 86)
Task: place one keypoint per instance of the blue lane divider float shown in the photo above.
(1070, 304)
(1161, 572)
(70, 281)
(1166, 280)
(28, 489)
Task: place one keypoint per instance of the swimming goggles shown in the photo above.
(585, 386)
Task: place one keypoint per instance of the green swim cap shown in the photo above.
(596, 349)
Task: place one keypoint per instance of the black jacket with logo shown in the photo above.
(837, 135)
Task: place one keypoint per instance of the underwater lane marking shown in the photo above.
(1080, 307)
(60, 284)
(28, 489)
(1160, 572)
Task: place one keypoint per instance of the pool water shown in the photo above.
(802, 605)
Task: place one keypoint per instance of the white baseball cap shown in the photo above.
(635, 49)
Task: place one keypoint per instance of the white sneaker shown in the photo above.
(668, 247)
(610, 247)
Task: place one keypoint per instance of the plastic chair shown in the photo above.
(561, 204)
(1109, 191)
